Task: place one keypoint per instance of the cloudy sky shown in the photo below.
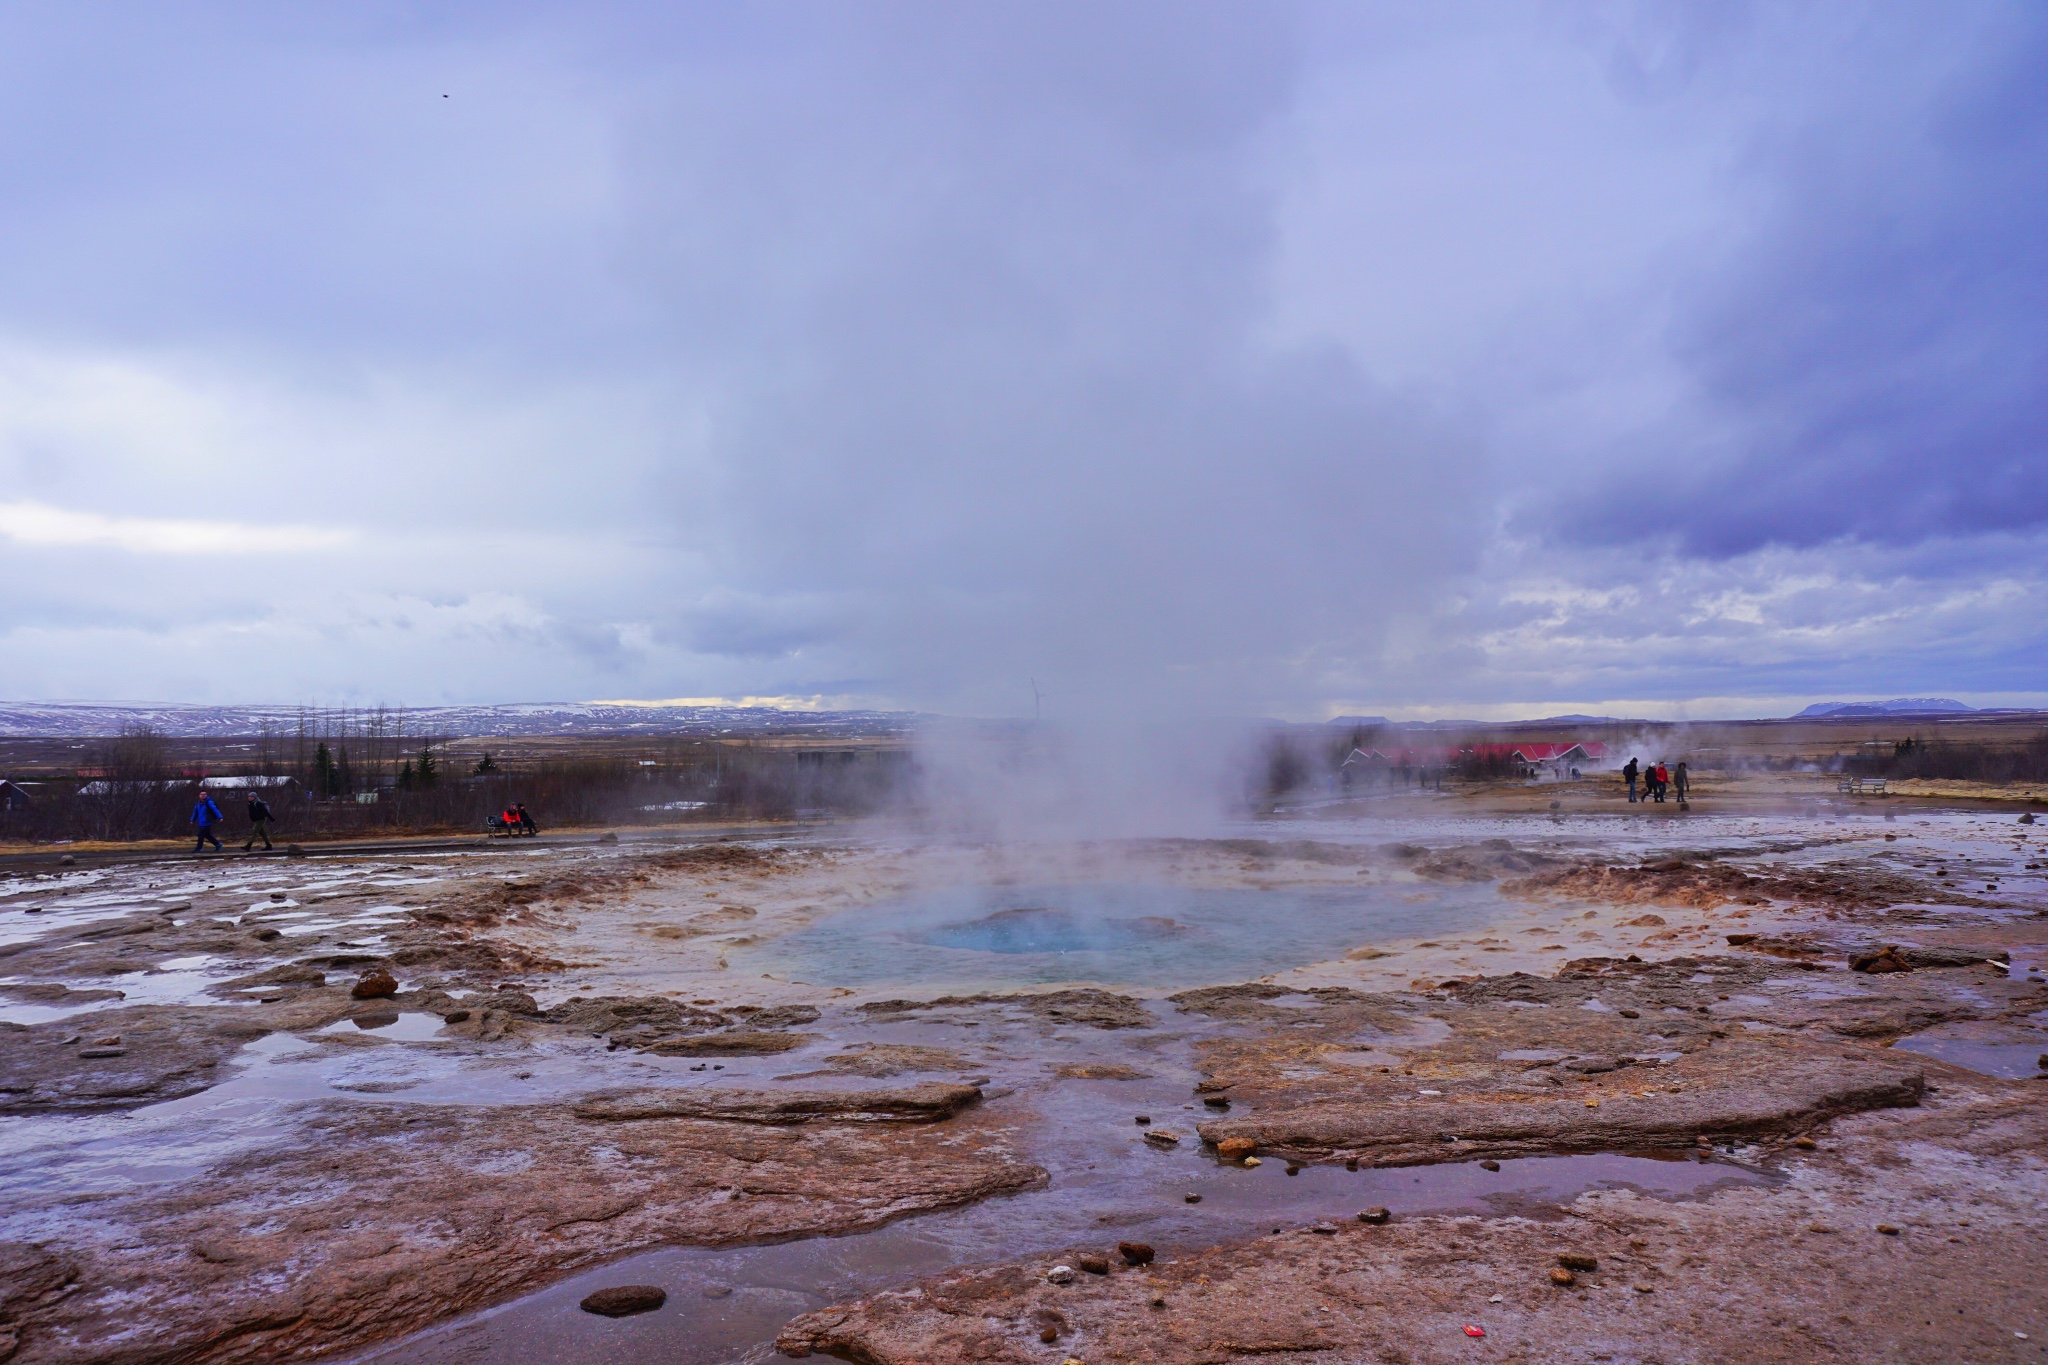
(1404, 358)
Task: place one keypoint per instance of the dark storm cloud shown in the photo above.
(1873, 362)
(1191, 357)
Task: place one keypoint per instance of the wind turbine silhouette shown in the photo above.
(1037, 697)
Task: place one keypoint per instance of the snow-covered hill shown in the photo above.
(21, 720)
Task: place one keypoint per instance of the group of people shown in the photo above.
(1657, 781)
(207, 814)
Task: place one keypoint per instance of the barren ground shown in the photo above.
(1526, 1032)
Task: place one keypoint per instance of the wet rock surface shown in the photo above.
(395, 1212)
(1748, 1275)
(393, 1217)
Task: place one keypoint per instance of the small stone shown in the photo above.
(622, 1300)
(1561, 1276)
(374, 984)
(68, 860)
(94, 1054)
(1159, 1300)
(1217, 1101)
(1135, 1253)
(1489, 1165)
(1191, 1198)
(1142, 1119)
(1093, 1264)
(1643, 1289)
(1253, 1161)
(608, 837)
(1352, 1164)
(1577, 1260)
(455, 1017)
(294, 851)
(1160, 1137)
(279, 896)
(1592, 1104)
(1324, 1229)
(1060, 1274)
(1805, 1144)
(1375, 1214)
(265, 934)
(1048, 1335)
(1294, 1170)
(717, 1291)
(1887, 1229)
(1232, 1148)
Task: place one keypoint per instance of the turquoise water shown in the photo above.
(1141, 934)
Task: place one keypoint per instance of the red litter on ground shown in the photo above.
(1471, 1331)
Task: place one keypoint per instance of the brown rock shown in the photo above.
(736, 1043)
(1135, 1253)
(368, 1202)
(1376, 1214)
(1576, 1260)
(1559, 1275)
(928, 1103)
(621, 1300)
(1093, 1264)
(1236, 1148)
(374, 984)
(1161, 1137)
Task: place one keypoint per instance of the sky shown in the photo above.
(1252, 359)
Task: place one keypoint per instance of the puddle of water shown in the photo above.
(1146, 935)
(42, 1014)
(406, 1027)
(2014, 1054)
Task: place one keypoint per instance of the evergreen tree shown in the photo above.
(484, 764)
(427, 769)
(405, 776)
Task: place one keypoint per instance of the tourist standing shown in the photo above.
(1680, 782)
(1628, 775)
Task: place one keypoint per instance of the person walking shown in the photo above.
(259, 823)
(1628, 775)
(1660, 779)
(206, 815)
(1680, 782)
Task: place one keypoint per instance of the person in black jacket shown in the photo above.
(259, 822)
(1628, 775)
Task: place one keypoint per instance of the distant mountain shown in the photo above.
(1575, 719)
(1348, 722)
(1898, 706)
(43, 720)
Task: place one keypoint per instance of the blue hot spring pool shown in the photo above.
(1140, 934)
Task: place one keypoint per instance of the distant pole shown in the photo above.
(1037, 697)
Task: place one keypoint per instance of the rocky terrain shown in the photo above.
(292, 1111)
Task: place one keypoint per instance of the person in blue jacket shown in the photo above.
(206, 815)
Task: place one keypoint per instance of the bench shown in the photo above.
(1861, 786)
